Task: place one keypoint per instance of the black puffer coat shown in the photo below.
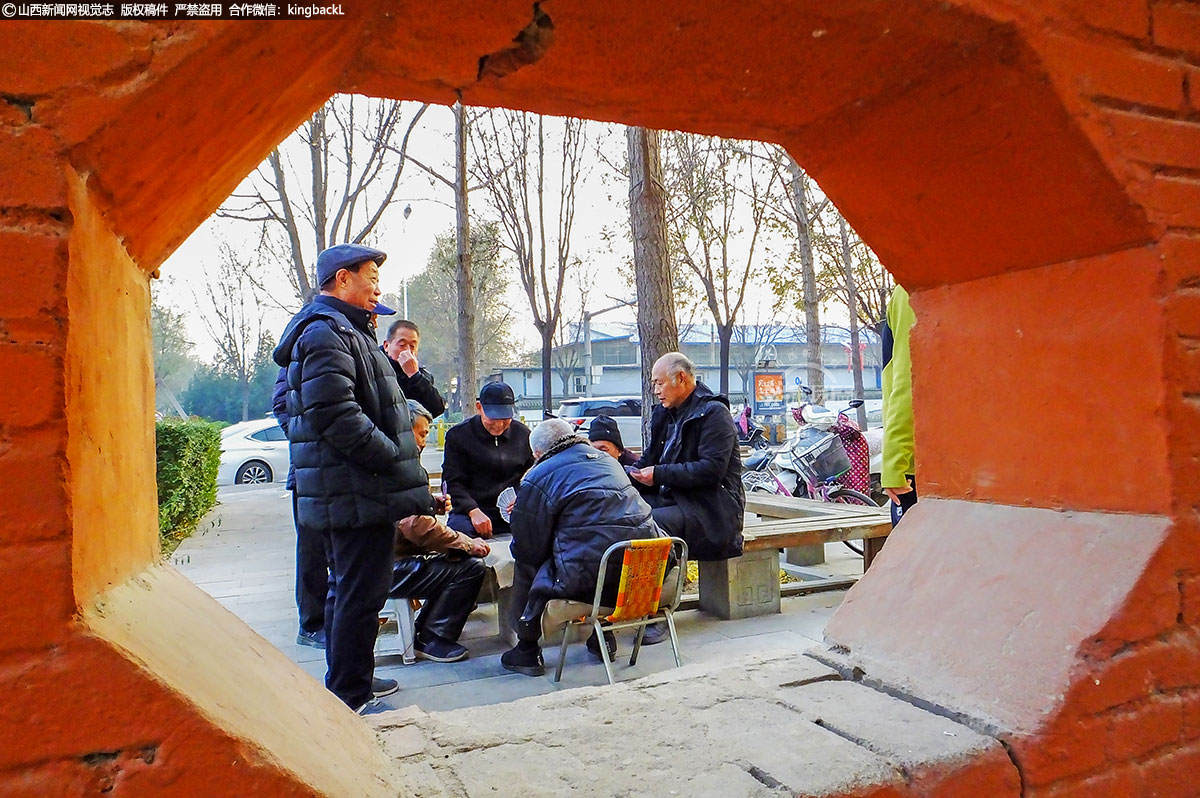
(349, 433)
(571, 506)
(701, 471)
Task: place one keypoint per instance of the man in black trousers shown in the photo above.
(357, 463)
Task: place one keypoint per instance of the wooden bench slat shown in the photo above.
(775, 506)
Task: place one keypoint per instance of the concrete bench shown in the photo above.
(747, 586)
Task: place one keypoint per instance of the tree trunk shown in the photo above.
(657, 329)
(725, 335)
(468, 368)
(852, 294)
(808, 273)
(547, 375)
(244, 385)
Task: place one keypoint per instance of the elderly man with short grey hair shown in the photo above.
(691, 471)
(572, 505)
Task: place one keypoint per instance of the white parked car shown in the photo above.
(626, 410)
(253, 452)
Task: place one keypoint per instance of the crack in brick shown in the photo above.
(527, 48)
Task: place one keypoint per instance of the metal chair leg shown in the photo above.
(674, 639)
(637, 645)
(604, 652)
(562, 651)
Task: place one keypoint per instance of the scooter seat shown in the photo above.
(759, 460)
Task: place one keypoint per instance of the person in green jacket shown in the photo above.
(898, 473)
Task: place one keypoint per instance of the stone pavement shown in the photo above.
(768, 724)
(243, 555)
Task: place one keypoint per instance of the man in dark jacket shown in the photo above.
(357, 464)
(484, 455)
(572, 505)
(403, 340)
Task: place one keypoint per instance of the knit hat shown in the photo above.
(604, 428)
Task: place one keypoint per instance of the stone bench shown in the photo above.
(747, 586)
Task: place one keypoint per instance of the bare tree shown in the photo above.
(348, 164)
(873, 283)
(751, 339)
(852, 295)
(233, 319)
(512, 162)
(720, 198)
(657, 330)
(796, 215)
(172, 351)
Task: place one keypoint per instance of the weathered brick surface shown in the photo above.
(32, 175)
(1139, 729)
(1177, 26)
(1167, 142)
(1119, 782)
(1190, 589)
(1158, 665)
(1121, 73)
(1175, 200)
(48, 254)
(40, 398)
(1129, 17)
(38, 576)
(1172, 773)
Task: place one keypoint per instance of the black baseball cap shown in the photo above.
(497, 400)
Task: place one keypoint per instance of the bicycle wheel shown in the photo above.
(850, 496)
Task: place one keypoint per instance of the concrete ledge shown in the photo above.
(759, 726)
(742, 587)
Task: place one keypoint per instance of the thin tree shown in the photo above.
(720, 197)
(512, 161)
(172, 351)
(798, 213)
(852, 294)
(233, 320)
(346, 161)
(658, 332)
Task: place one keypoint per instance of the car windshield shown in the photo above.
(568, 410)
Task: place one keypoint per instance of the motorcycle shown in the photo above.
(750, 432)
(827, 459)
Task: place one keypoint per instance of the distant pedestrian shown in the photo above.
(357, 463)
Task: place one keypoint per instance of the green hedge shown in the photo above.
(188, 454)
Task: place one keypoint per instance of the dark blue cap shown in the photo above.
(343, 256)
(381, 309)
(497, 400)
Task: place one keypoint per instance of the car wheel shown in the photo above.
(254, 472)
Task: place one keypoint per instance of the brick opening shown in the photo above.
(1029, 169)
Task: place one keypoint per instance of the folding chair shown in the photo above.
(644, 597)
(405, 636)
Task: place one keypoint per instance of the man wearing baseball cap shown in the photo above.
(484, 455)
(357, 465)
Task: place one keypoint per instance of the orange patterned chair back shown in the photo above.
(642, 571)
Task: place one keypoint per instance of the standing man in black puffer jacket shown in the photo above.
(357, 464)
(572, 505)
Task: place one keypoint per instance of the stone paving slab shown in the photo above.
(762, 725)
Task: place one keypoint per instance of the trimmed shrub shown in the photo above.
(188, 455)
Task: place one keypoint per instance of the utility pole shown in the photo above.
(587, 342)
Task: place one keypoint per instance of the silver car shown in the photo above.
(626, 410)
(253, 452)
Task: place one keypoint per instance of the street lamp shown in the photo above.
(587, 343)
(404, 238)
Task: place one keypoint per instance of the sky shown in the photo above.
(600, 239)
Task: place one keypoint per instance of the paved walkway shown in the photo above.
(244, 556)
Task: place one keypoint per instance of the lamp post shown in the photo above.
(404, 237)
(587, 343)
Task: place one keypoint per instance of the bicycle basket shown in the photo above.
(824, 460)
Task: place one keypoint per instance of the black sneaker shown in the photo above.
(610, 642)
(373, 707)
(439, 649)
(655, 633)
(382, 687)
(527, 662)
(315, 639)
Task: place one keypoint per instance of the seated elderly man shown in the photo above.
(439, 566)
(691, 470)
(572, 505)
(484, 455)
